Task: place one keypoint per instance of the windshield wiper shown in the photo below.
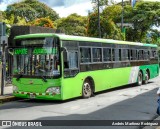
(19, 76)
(44, 79)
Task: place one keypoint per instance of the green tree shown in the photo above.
(30, 10)
(10, 21)
(109, 28)
(72, 25)
(44, 22)
(101, 3)
(155, 36)
(2, 16)
(143, 16)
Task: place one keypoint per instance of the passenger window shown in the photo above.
(133, 54)
(106, 54)
(154, 54)
(126, 54)
(97, 54)
(146, 55)
(113, 54)
(65, 59)
(140, 55)
(119, 55)
(85, 54)
(73, 60)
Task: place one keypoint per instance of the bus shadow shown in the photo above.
(121, 88)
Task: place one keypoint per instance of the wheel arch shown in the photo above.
(141, 72)
(91, 80)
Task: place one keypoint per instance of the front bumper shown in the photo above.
(42, 96)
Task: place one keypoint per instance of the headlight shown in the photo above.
(15, 88)
(55, 90)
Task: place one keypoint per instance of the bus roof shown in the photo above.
(81, 38)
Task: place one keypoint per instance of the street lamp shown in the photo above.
(99, 26)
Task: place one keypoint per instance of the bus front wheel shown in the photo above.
(87, 89)
(140, 78)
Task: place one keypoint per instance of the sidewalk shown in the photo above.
(7, 94)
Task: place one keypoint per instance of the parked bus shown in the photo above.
(59, 67)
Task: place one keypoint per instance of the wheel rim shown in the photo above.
(87, 89)
(140, 79)
(146, 78)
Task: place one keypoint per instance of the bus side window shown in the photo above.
(140, 55)
(106, 54)
(65, 59)
(146, 55)
(133, 54)
(97, 54)
(113, 54)
(85, 55)
(73, 60)
(155, 54)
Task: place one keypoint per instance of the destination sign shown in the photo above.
(36, 51)
(20, 51)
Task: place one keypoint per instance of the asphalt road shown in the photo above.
(127, 103)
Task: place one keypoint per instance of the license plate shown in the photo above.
(32, 96)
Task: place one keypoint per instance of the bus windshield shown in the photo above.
(37, 57)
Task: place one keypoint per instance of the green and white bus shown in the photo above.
(59, 67)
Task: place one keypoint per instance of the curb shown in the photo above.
(7, 98)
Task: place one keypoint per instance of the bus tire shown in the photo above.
(140, 78)
(146, 78)
(87, 89)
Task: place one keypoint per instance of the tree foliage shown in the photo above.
(101, 3)
(143, 16)
(153, 36)
(72, 25)
(30, 10)
(2, 16)
(44, 22)
(107, 22)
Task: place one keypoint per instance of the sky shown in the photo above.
(63, 7)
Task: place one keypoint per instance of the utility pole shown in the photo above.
(122, 20)
(3, 42)
(99, 25)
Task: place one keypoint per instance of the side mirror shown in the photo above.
(11, 51)
(63, 49)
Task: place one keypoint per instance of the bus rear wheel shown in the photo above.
(140, 78)
(146, 78)
(87, 89)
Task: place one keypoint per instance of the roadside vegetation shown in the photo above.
(144, 17)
